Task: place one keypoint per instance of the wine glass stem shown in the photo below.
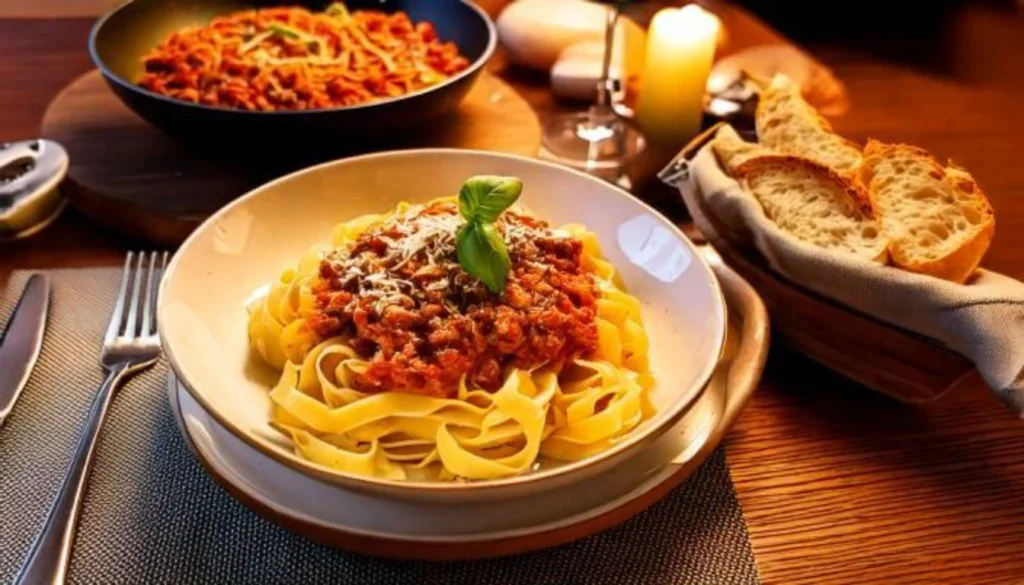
(604, 92)
(601, 113)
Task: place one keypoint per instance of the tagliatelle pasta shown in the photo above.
(437, 378)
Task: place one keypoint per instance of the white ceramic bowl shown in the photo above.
(250, 242)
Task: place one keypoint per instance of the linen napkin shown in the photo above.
(982, 320)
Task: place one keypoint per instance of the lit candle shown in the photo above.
(680, 49)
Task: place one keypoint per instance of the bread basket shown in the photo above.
(902, 364)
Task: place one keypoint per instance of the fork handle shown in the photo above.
(47, 561)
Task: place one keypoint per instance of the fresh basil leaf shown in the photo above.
(484, 197)
(482, 253)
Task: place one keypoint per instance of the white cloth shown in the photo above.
(982, 320)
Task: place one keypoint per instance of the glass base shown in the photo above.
(597, 142)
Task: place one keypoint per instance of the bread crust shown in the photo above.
(957, 266)
(781, 87)
(960, 263)
(730, 150)
(853, 189)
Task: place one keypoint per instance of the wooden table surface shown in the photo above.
(837, 485)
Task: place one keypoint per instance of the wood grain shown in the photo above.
(41, 57)
(57, 8)
(143, 183)
(838, 484)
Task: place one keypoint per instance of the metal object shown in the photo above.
(21, 341)
(600, 141)
(734, 100)
(131, 345)
(121, 39)
(737, 99)
(678, 170)
(30, 172)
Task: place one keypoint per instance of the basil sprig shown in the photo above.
(481, 249)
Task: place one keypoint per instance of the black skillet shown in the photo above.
(120, 39)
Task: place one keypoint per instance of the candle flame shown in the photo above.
(687, 23)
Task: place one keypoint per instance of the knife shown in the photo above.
(22, 340)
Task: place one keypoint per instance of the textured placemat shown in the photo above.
(152, 515)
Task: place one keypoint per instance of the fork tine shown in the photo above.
(159, 280)
(163, 268)
(131, 324)
(148, 305)
(115, 318)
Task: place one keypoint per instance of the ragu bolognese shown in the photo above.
(289, 58)
(409, 349)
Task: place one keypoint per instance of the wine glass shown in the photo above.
(597, 141)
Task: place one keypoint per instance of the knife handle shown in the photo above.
(47, 562)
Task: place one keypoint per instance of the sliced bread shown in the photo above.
(787, 123)
(937, 219)
(731, 150)
(815, 204)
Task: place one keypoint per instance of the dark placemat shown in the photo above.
(152, 515)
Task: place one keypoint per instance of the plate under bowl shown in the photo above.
(371, 524)
(250, 242)
(124, 36)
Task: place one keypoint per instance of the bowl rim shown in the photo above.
(474, 68)
(367, 483)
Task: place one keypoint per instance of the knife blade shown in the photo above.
(21, 342)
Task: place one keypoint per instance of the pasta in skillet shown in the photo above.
(288, 58)
(398, 363)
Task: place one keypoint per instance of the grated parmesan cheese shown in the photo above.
(411, 258)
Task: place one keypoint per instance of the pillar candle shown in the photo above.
(680, 50)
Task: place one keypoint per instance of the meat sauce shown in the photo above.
(406, 305)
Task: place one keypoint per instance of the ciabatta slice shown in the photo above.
(787, 123)
(937, 219)
(815, 204)
(731, 150)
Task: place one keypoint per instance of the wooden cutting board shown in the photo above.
(131, 177)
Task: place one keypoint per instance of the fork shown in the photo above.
(131, 345)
